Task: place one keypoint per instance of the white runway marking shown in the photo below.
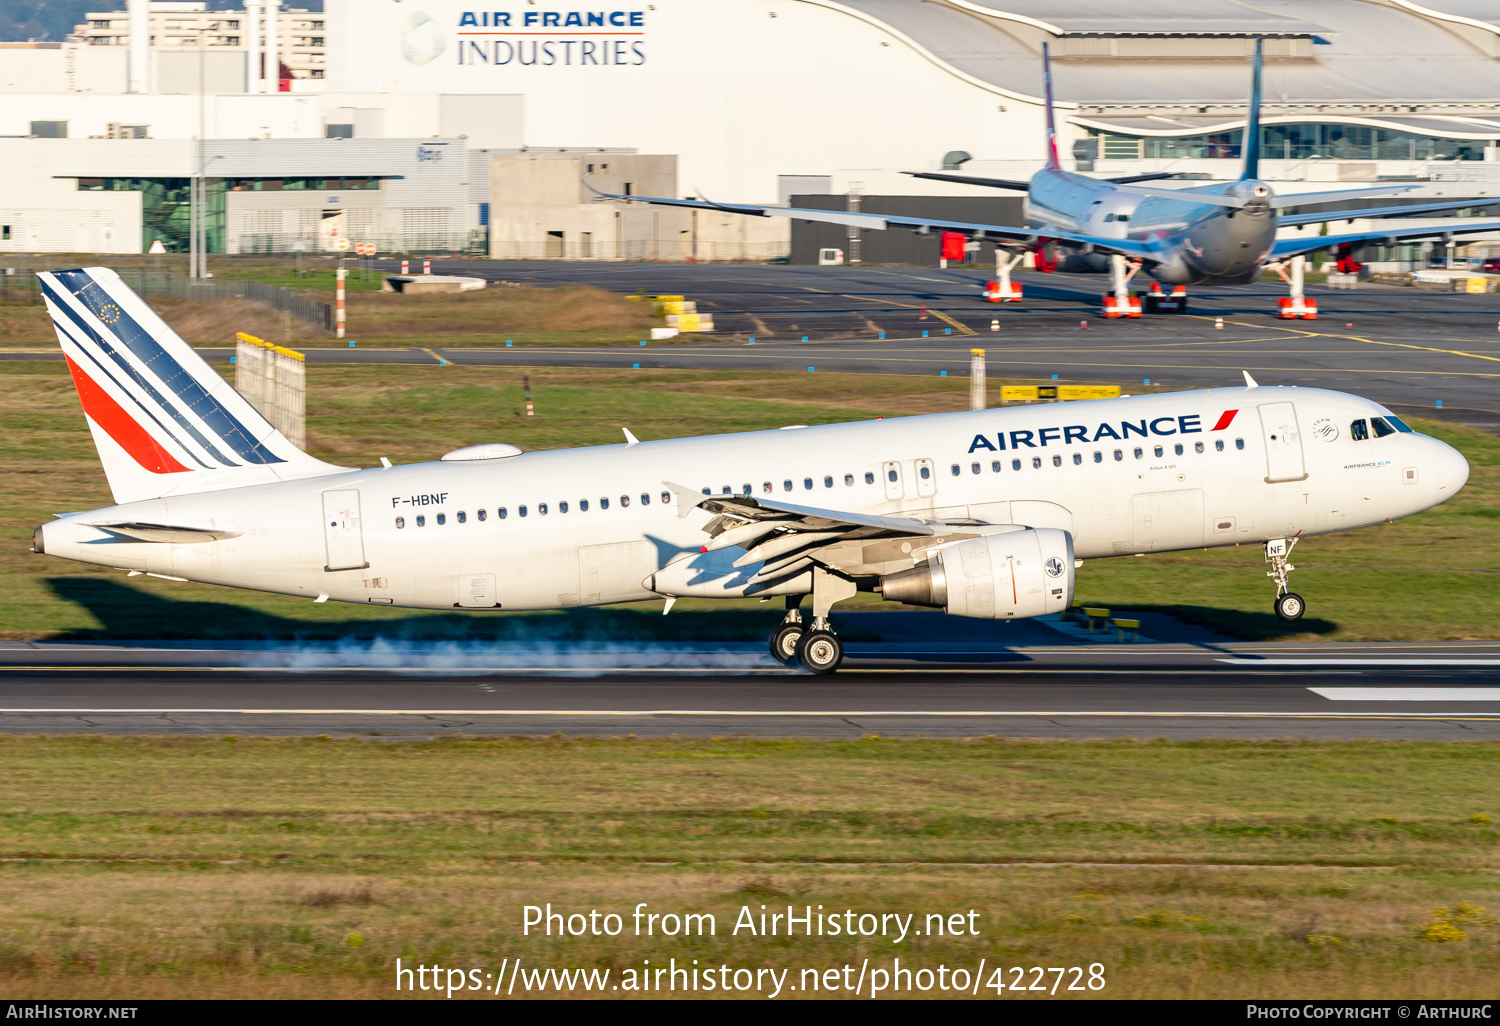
(1360, 662)
(1491, 714)
(1409, 694)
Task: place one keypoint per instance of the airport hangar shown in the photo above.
(744, 100)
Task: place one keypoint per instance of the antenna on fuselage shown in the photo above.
(1250, 144)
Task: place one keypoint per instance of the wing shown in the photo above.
(1291, 247)
(167, 533)
(1303, 198)
(1350, 215)
(1006, 183)
(1010, 234)
(756, 543)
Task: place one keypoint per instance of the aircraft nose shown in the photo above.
(1452, 469)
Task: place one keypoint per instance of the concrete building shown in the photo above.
(264, 195)
(231, 36)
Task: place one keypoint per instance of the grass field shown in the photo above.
(1429, 577)
(151, 867)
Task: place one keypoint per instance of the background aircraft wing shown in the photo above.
(1350, 215)
(1006, 183)
(1302, 198)
(1291, 247)
(881, 222)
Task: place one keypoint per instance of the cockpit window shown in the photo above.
(1381, 427)
(1358, 431)
(1399, 424)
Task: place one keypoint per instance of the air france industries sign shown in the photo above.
(572, 38)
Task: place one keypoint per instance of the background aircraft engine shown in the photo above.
(997, 577)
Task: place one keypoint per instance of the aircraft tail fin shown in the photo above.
(1250, 144)
(163, 420)
(1052, 162)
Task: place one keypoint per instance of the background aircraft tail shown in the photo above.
(1052, 161)
(1250, 144)
(163, 420)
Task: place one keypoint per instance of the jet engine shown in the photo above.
(994, 577)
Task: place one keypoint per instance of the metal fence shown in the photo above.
(677, 249)
(414, 243)
(149, 284)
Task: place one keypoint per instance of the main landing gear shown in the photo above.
(1295, 306)
(1289, 605)
(814, 645)
(1120, 303)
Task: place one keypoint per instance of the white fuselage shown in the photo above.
(590, 526)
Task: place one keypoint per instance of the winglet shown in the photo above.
(688, 499)
(629, 438)
(1249, 381)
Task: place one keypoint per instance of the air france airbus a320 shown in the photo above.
(983, 514)
(1221, 234)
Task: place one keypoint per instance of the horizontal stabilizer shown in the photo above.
(1415, 210)
(1304, 198)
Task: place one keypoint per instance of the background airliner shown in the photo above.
(1220, 234)
(983, 514)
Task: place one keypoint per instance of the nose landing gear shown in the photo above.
(1289, 605)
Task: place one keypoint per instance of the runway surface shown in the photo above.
(1404, 347)
(1437, 691)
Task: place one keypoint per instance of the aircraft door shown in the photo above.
(891, 474)
(926, 478)
(342, 532)
(1278, 423)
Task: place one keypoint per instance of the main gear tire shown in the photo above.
(785, 640)
(820, 652)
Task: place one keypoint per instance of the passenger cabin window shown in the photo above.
(1359, 431)
(786, 486)
(1177, 449)
(827, 480)
(1119, 455)
(1036, 463)
(646, 496)
(603, 503)
(973, 468)
(400, 523)
(1057, 461)
(1098, 456)
(1197, 446)
(765, 488)
(520, 511)
(869, 478)
(1139, 452)
(541, 509)
(463, 518)
(442, 518)
(502, 513)
(1239, 443)
(666, 497)
(955, 469)
(994, 466)
(807, 483)
(1219, 445)
(1015, 464)
(1077, 459)
(421, 520)
(483, 515)
(848, 480)
(1157, 450)
(583, 505)
(625, 499)
(1381, 427)
(562, 507)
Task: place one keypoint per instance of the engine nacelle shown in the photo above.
(995, 577)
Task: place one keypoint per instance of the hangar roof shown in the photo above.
(1366, 53)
